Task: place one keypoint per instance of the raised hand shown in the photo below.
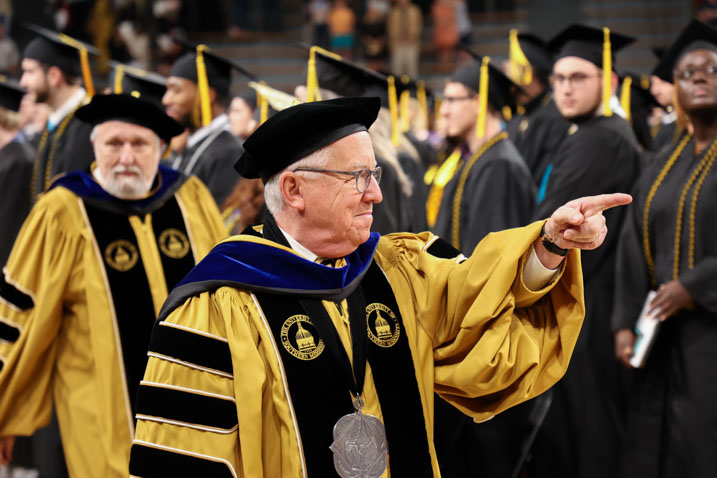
(579, 224)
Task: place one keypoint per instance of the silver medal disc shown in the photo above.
(360, 448)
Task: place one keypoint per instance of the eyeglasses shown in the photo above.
(363, 176)
(709, 71)
(577, 80)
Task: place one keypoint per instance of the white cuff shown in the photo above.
(535, 275)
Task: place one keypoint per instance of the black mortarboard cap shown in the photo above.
(11, 94)
(586, 42)
(501, 89)
(129, 109)
(349, 79)
(57, 49)
(296, 132)
(538, 54)
(696, 36)
(219, 69)
(138, 83)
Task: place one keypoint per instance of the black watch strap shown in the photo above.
(550, 246)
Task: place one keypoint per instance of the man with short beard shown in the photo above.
(582, 431)
(211, 148)
(51, 72)
(85, 281)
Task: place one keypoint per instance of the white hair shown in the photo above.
(273, 198)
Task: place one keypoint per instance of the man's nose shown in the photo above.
(373, 192)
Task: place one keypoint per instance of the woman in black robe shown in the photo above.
(669, 244)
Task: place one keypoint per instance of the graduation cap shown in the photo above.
(526, 51)
(271, 97)
(11, 94)
(598, 46)
(138, 83)
(130, 109)
(297, 131)
(635, 95)
(491, 84)
(696, 36)
(57, 49)
(208, 70)
(329, 71)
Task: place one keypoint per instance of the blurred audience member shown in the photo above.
(318, 11)
(241, 115)
(342, 25)
(404, 37)
(445, 31)
(9, 56)
(373, 36)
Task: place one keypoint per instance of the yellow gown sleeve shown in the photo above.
(204, 221)
(32, 296)
(494, 342)
(186, 405)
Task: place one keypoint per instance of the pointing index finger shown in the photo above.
(592, 205)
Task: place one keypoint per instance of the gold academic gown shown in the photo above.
(68, 342)
(477, 336)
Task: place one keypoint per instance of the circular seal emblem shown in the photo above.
(121, 255)
(383, 327)
(173, 243)
(300, 338)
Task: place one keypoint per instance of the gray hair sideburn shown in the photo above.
(273, 198)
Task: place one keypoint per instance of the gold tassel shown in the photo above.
(507, 113)
(519, 69)
(263, 108)
(437, 103)
(645, 82)
(312, 80)
(393, 108)
(119, 74)
(520, 110)
(84, 62)
(422, 101)
(404, 103)
(606, 73)
(625, 97)
(482, 97)
(203, 84)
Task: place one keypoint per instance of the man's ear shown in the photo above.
(291, 190)
(54, 76)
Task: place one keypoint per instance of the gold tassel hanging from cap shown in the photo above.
(482, 97)
(84, 62)
(119, 75)
(507, 113)
(422, 100)
(519, 69)
(312, 79)
(405, 106)
(645, 82)
(625, 97)
(393, 108)
(437, 104)
(203, 84)
(606, 73)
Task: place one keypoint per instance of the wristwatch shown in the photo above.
(550, 245)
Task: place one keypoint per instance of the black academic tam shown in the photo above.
(127, 108)
(298, 131)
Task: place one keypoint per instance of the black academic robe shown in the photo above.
(62, 150)
(15, 172)
(672, 419)
(393, 214)
(582, 432)
(212, 160)
(666, 136)
(419, 193)
(539, 134)
(498, 194)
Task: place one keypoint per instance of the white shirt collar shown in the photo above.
(67, 107)
(298, 248)
(220, 122)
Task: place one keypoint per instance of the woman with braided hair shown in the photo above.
(669, 244)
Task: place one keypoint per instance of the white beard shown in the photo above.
(124, 187)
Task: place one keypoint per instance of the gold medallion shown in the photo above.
(300, 339)
(121, 255)
(173, 243)
(383, 327)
